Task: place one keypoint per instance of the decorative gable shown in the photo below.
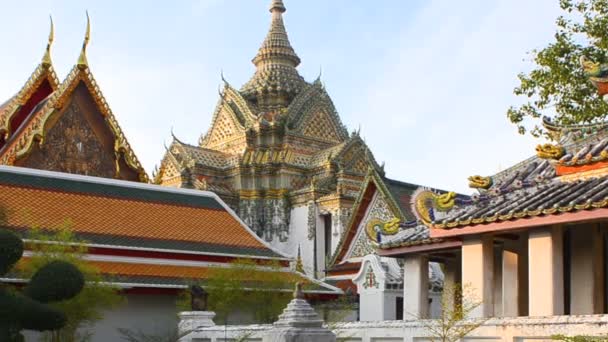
(71, 145)
(320, 127)
(98, 127)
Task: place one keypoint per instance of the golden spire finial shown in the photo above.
(82, 60)
(46, 59)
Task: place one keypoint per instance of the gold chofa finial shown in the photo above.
(82, 60)
(46, 59)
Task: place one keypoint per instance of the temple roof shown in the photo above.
(20, 105)
(560, 179)
(276, 63)
(556, 196)
(109, 212)
(141, 273)
(33, 128)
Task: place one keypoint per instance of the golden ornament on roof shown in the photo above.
(480, 182)
(549, 151)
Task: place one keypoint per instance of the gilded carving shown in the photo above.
(72, 146)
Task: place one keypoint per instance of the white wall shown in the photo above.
(152, 314)
(520, 329)
(298, 235)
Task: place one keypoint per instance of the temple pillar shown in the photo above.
(545, 272)
(510, 284)
(415, 286)
(451, 279)
(478, 273)
(586, 270)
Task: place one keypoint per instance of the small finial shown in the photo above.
(298, 294)
(277, 5)
(46, 59)
(82, 60)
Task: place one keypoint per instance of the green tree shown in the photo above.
(557, 86)
(87, 307)
(31, 309)
(261, 291)
(454, 322)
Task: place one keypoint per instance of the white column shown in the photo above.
(510, 284)
(415, 287)
(478, 273)
(545, 272)
(586, 270)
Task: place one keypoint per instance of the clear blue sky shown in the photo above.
(429, 82)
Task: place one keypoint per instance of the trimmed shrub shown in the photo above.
(54, 282)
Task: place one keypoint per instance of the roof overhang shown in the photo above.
(429, 247)
(524, 223)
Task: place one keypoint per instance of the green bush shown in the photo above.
(29, 310)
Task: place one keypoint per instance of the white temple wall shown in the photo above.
(298, 236)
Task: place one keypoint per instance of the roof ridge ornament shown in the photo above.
(82, 60)
(46, 59)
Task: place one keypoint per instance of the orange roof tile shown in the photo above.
(120, 209)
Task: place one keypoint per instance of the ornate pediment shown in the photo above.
(229, 120)
(37, 126)
(313, 115)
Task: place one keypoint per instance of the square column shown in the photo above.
(545, 272)
(451, 279)
(510, 284)
(478, 273)
(416, 287)
(586, 270)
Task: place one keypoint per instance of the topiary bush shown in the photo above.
(29, 309)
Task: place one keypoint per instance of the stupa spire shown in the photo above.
(276, 80)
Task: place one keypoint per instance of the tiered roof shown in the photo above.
(139, 235)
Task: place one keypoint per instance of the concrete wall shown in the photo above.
(151, 314)
(521, 329)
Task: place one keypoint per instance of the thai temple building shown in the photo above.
(279, 155)
(276, 177)
(533, 239)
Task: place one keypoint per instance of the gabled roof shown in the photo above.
(19, 106)
(121, 213)
(33, 129)
(395, 193)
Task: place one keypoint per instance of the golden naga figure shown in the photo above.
(549, 151)
(479, 182)
(597, 74)
(389, 227)
(445, 201)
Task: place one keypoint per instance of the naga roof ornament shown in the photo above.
(480, 182)
(276, 80)
(549, 151)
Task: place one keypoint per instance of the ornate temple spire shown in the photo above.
(276, 80)
(46, 59)
(82, 60)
